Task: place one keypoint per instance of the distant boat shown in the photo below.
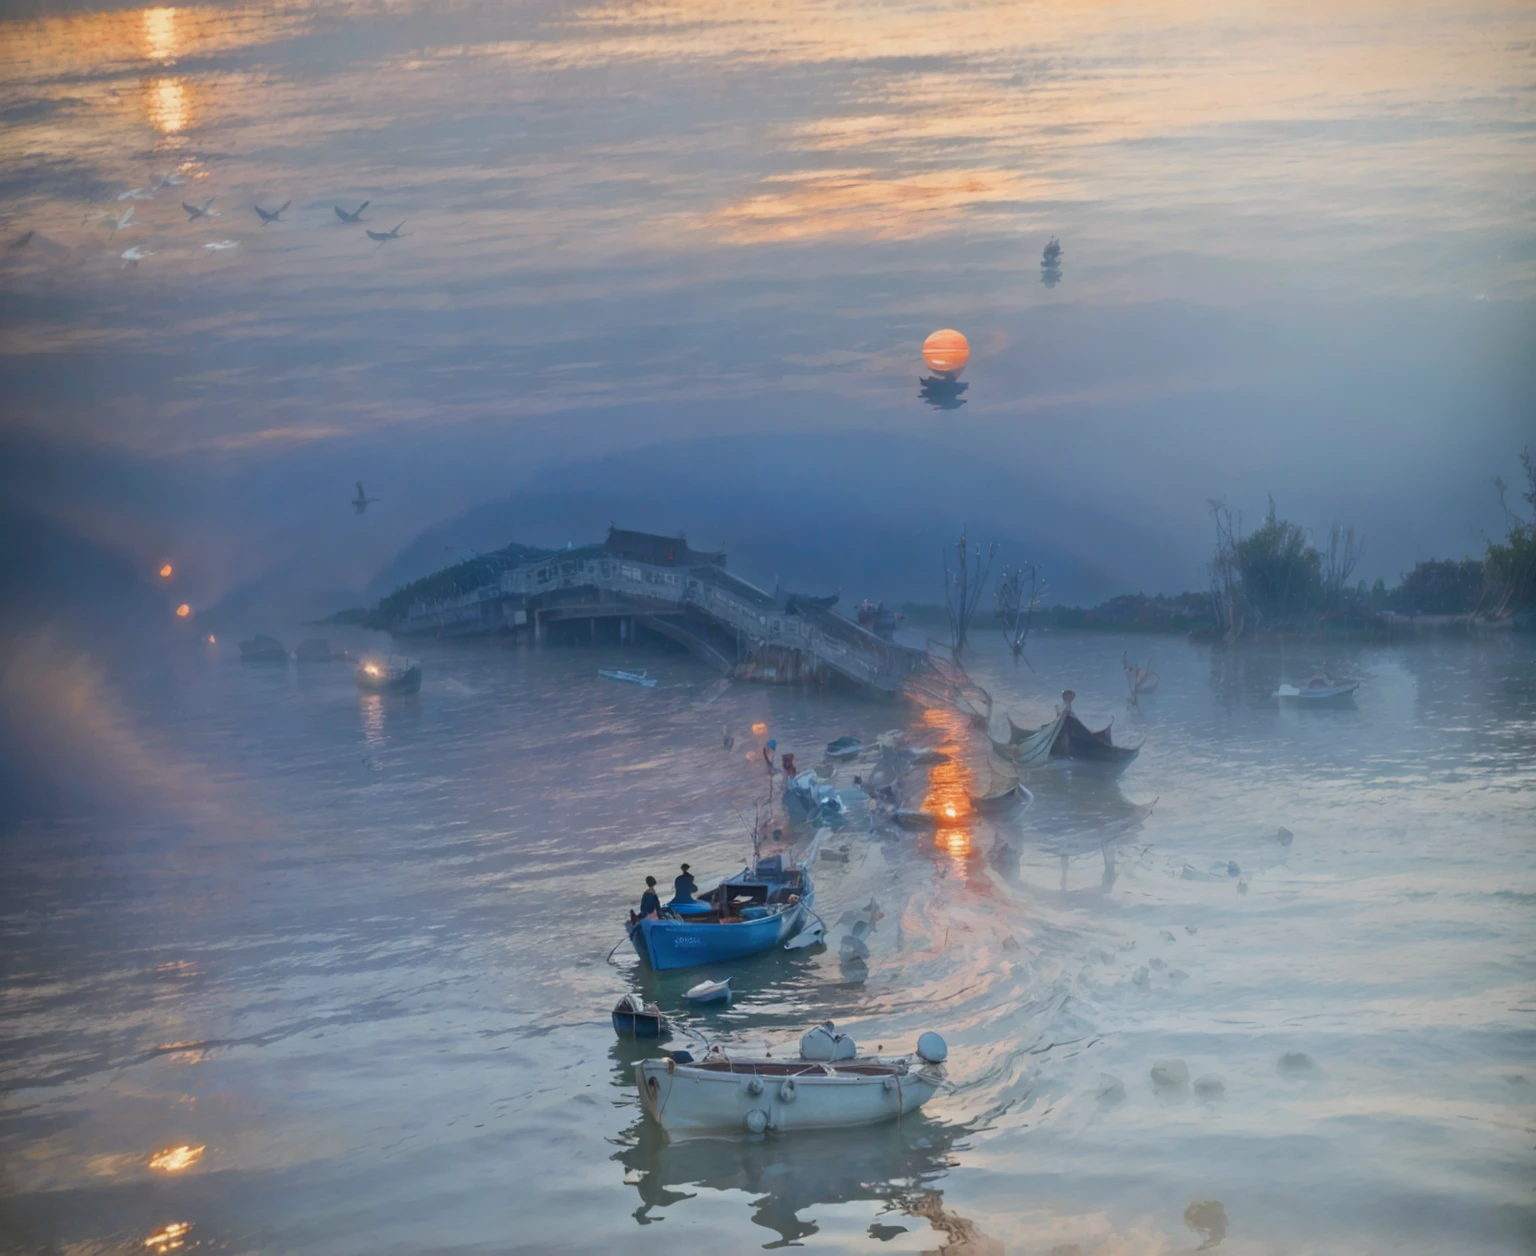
(391, 675)
(629, 678)
(633, 1018)
(1317, 691)
(844, 748)
(759, 908)
(829, 1085)
(709, 992)
(263, 649)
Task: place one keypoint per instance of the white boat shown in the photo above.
(709, 992)
(829, 1085)
(1316, 691)
(631, 678)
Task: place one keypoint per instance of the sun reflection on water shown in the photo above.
(169, 101)
(175, 1159)
(169, 1239)
(948, 795)
(161, 40)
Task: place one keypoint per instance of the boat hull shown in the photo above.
(697, 1101)
(1322, 696)
(639, 1024)
(408, 681)
(666, 944)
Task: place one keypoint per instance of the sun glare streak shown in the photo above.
(175, 1159)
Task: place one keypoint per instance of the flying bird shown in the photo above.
(169, 180)
(392, 234)
(135, 194)
(218, 246)
(119, 223)
(133, 256)
(355, 216)
(271, 215)
(362, 501)
(194, 212)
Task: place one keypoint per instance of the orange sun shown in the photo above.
(946, 352)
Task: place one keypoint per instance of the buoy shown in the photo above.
(932, 1048)
(787, 1091)
(757, 1121)
(755, 1086)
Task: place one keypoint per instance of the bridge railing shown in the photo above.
(849, 648)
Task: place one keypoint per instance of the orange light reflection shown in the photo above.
(175, 1159)
(169, 103)
(170, 1238)
(949, 784)
(183, 611)
(166, 572)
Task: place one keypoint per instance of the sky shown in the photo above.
(675, 262)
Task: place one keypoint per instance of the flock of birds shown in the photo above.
(197, 212)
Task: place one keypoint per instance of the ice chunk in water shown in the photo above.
(1111, 1089)
(1159, 964)
(1168, 935)
(1209, 1086)
(1141, 977)
(1170, 1075)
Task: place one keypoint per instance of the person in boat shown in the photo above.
(650, 901)
(684, 887)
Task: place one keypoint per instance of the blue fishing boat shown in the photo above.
(633, 1018)
(763, 906)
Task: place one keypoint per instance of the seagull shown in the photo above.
(271, 215)
(133, 256)
(218, 246)
(194, 212)
(355, 216)
(362, 501)
(119, 223)
(135, 194)
(169, 180)
(392, 234)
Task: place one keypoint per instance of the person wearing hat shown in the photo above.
(683, 887)
(768, 754)
(650, 901)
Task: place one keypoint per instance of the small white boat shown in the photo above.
(709, 992)
(1316, 691)
(830, 1085)
(630, 678)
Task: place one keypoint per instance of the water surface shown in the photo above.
(349, 952)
